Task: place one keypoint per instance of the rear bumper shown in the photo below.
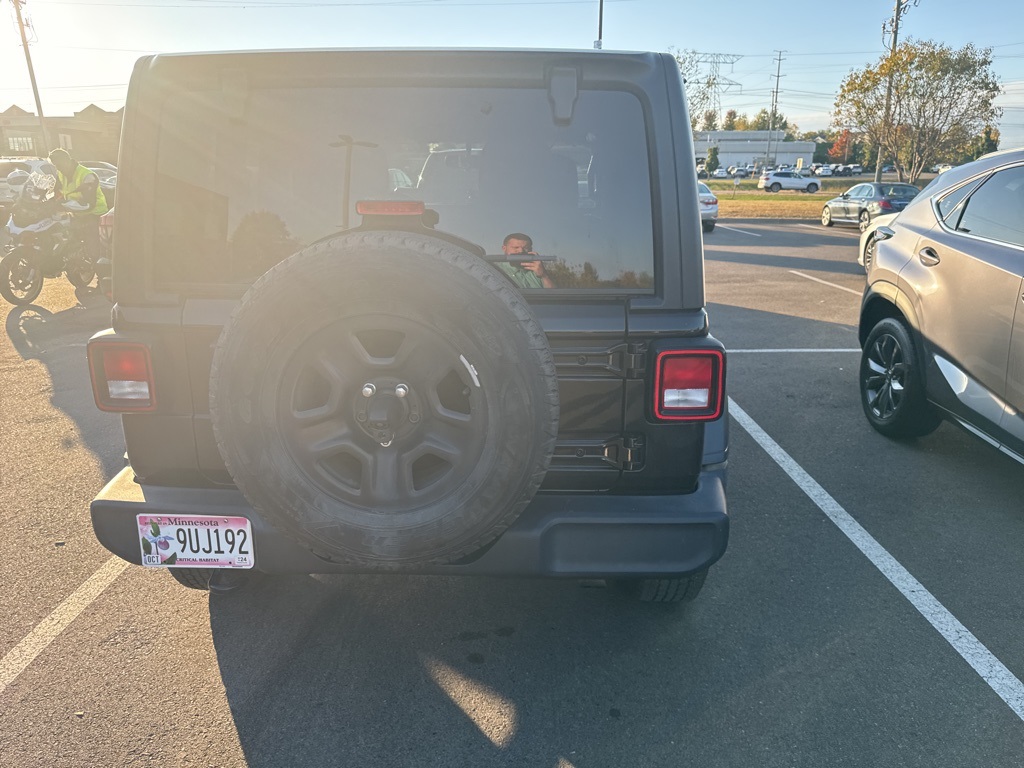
(566, 535)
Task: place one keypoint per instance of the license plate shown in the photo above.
(195, 541)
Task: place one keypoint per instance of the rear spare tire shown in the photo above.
(386, 399)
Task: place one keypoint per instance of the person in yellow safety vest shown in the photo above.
(76, 183)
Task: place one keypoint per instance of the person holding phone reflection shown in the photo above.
(525, 274)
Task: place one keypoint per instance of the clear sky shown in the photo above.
(83, 50)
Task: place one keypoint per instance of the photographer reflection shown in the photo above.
(524, 273)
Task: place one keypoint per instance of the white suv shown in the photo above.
(775, 181)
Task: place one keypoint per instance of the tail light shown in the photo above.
(688, 385)
(885, 205)
(122, 376)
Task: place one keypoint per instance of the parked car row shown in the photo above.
(836, 169)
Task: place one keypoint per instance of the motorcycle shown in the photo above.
(43, 245)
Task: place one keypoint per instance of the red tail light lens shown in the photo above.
(122, 376)
(885, 205)
(688, 385)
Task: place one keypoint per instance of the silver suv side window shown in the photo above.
(996, 210)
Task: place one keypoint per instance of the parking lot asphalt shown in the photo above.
(801, 650)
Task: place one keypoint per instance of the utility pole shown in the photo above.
(898, 11)
(600, 25)
(775, 104)
(32, 77)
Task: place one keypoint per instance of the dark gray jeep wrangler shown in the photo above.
(330, 357)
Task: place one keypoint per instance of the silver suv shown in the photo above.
(941, 325)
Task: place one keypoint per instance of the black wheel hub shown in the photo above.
(387, 409)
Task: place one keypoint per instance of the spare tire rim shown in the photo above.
(383, 413)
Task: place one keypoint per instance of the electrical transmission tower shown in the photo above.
(717, 84)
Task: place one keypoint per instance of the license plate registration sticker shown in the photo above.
(195, 541)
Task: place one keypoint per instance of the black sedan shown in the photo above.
(861, 203)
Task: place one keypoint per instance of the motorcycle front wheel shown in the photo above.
(21, 279)
(80, 268)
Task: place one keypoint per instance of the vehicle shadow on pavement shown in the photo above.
(763, 258)
(745, 328)
(415, 671)
(57, 340)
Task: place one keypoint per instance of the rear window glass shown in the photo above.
(238, 193)
(899, 190)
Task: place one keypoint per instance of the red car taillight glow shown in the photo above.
(688, 385)
(122, 376)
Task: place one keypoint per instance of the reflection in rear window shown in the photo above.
(236, 196)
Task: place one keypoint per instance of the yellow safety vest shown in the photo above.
(70, 189)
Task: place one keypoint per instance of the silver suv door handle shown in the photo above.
(928, 257)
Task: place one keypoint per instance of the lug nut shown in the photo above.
(401, 390)
(369, 390)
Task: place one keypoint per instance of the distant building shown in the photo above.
(753, 148)
(92, 134)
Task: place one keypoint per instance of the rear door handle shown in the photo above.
(928, 256)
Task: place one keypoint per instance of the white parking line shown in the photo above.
(741, 231)
(826, 282)
(981, 659)
(49, 629)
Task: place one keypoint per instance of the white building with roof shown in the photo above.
(753, 148)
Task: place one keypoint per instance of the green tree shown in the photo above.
(711, 164)
(987, 142)
(941, 100)
(778, 122)
(710, 122)
(729, 124)
(760, 121)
